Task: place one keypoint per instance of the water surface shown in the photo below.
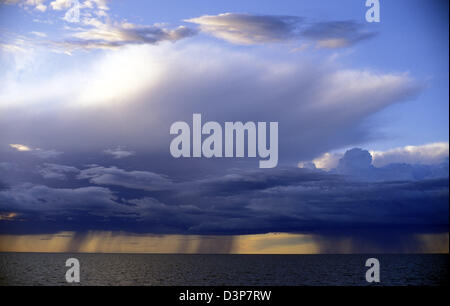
(230, 270)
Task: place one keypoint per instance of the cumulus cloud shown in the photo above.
(356, 163)
(428, 154)
(410, 163)
(256, 29)
(326, 161)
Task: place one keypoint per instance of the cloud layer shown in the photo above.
(241, 202)
(95, 28)
(246, 29)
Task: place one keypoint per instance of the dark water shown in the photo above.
(201, 270)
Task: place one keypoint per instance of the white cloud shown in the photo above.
(428, 154)
(36, 4)
(41, 7)
(38, 34)
(101, 4)
(61, 4)
(119, 152)
(327, 161)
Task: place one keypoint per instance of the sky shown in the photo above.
(86, 106)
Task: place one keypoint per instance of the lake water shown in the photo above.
(230, 270)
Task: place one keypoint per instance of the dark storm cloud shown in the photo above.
(55, 171)
(241, 202)
(129, 179)
(58, 201)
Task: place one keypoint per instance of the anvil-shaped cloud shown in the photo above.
(132, 96)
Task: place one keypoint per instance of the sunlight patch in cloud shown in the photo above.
(8, 216)
(20, 147)
(327, 161)
(36, 151)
